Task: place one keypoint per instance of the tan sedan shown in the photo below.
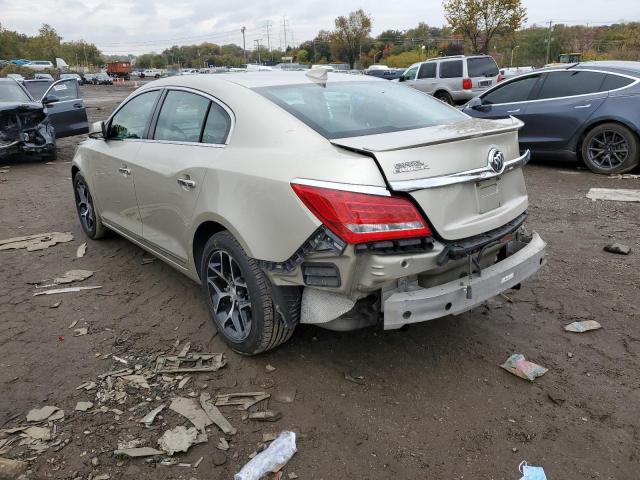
(317, 198)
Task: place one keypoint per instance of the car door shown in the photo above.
(565, 100)
(426, 79)
(510, 98)
(189, 134)
(65, 108)
(113, 177)
(409, 75)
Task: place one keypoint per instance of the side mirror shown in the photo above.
(49, 99)
(474, 103)
(402, 78)
(97, 130)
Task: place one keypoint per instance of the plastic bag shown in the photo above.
(275, 456)
(531, 473)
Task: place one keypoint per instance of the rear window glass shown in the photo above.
(482, 67)
(349, 109)
(451, 69)
(611, 82)
(569, 83)
(12, 92)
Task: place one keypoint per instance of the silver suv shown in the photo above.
(453, 79)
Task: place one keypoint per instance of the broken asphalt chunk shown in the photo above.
(266, 416)
(242, 400)
(584, 326)
(137, 380)
(618, 248)
(151, 416)
(35, 242)
(82, 249)
(520, 367)
(73, 276)
(215, 415)
(188, 408)
(178, 439)
(193, 362)
(41, 414)
(83, 406)
(138, 452)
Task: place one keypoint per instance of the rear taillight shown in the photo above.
(466, 84)
(361, 217)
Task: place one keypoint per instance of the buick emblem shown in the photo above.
(496, 160)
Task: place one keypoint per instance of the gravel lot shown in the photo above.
(432, 401)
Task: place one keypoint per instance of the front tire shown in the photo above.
(89, 217)
(239, 298)
(610, 148)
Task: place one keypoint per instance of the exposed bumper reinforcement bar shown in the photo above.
(451, 298)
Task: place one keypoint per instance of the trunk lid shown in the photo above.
(427, 163)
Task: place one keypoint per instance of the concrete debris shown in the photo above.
(178, 439)
(41, 414)
(136, 380)
(73, 276)
(73, 324)
(56, 305)
(103, 476)
(38, 433)
(269, 368)
(614, 194)
(82, 250)
(185, 350)
(56, 291)
(151, 416)
(242, 400)
(223, 444)
(269, 437)
(520, 367)
(285, 396)
(292, 476)
(137, 452)
(193, 362)
(266, 416)
(359, 379)
(121, 360)
(35, 242)
(624, 176)
(83, 406)
(11, 468)
(95, 461)
(619, 248)
(198, 462)
(116, 373)
(59, 415)
(128, 444)
(146, 260)
(215, 415)
(272, 459)
(584, 326)
(188, 408)
(183, 382)
(78, 332)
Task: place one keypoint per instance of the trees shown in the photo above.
(480, 20)
(349, 34)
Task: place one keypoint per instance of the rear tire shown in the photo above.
(87, 214)
(239, 298)
(444, 97)
(610, 148)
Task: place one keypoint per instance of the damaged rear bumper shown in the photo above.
(458, 296)
(26, 130)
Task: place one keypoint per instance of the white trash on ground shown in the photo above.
(272, 458)
(614, 194)
(531, 473)
(521, 367)
(584, 326)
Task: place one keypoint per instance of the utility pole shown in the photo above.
(284, 28)
(258, 46)
(268, 39)
(548, 42)
(244, 48)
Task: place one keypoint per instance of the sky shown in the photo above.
(139, 26)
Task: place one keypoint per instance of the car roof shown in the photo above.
(257, 79)
(613, 66)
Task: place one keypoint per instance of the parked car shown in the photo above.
(102, 79)
(358, 198)
(453, 79)
(32, 118)
(589, 111)
(75, 76)
(16, 76)
(151, 73)
(39, 65)
(510, 72)
(387, 74)
(43, 76)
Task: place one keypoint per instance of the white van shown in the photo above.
(39, 65)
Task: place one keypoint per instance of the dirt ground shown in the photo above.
(432, 401)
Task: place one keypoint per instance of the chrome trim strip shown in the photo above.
(347, 187)
(475, 175)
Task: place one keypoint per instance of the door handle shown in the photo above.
(77, 105)
(124, 171)
(187, 183)
(513, 111)
(582, 106)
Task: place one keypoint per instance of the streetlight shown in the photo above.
(512, 51)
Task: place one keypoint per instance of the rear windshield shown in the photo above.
(350, 109)
(482, 67)
(12, 92)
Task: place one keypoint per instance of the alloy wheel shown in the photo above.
(84, 203)
(229, 295)
(608, 150)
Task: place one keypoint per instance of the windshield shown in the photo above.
(350, 109)
(12, 92)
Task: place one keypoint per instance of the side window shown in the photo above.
(65, 90)
(427, 70)
(511, 92)
(218, 124)
(411, 73)
(181, 117)
(451, 69)
(570, 82)
(612, 82)
(131, 120)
